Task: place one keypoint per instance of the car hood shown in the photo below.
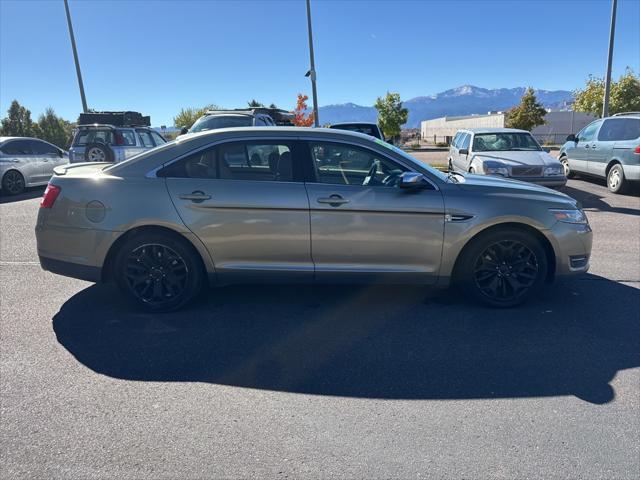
(528, 158)
(498, 185)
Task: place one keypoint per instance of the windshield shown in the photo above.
(500, 142)
(212, 122)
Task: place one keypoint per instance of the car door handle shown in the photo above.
(196, 196)
(333, 200)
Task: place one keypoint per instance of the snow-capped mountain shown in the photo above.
(463, 100)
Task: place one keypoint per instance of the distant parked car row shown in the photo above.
(607, 148)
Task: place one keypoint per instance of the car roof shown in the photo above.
(273, 131)
(108, 125)
(493, 130)
(4, 139)
(339, 124)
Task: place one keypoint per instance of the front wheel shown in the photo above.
(158, 272)
(502, 268)
(567, 169)
(616, 181)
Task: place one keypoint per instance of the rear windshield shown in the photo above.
(86, 136)
(220, 121)
(499, 142)
(355, 127)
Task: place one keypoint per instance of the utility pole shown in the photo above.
(312, 72)
(607, 84)
(75, 58)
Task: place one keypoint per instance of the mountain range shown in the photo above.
(464, 100)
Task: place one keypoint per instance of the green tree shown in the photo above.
(391, 114)
(54, 129)
(18, 121)
(253, 103)
(624, 95)
(528, 115)
(187, 116)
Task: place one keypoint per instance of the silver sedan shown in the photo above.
(27, 162)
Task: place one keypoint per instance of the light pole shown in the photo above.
(75, 58)
(312, 71)
(607, 84)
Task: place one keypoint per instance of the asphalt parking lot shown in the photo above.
(323, 381)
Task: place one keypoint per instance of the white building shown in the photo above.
(557, 125)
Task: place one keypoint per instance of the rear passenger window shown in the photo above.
(146, 138)
(619, 129)
(17, 147)
(254, 161)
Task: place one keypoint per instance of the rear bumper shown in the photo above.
(69, 269)
(631, 172)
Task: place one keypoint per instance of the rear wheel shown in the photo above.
(567, 169)
(158, 271)
(616, 181)
(13, 182)
(502, 268)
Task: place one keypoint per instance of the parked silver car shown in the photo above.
(27, 162)
(505, 152)
(607, 148)
(302, 205)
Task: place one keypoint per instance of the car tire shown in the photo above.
(450, 166)
(502, 268)
(98, 152)
(616, 182)
(13, 182)
(159, 272)
(567, 169)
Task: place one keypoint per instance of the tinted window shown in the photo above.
(497, 142)
(588, 133)
(619, 129)
(221, 121)
(361, 128)
(348, 165)
(146, 138)
(157, 138)
(261, 161)
(86, 136)
(17, 147)
(42, 148)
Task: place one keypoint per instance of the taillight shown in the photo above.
(119, 139)
(637, 150)
(49, 196)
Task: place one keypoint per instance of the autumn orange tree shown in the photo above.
(300, 118)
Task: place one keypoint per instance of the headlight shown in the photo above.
(570, 216)
(554, 170)
(495, 168)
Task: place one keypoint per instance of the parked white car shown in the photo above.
(505, 152)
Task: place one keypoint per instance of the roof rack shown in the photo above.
(622, 114)
(118, 119)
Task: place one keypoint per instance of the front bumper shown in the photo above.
(572, 246)
(557, 181)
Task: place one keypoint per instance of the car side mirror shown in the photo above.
(184, 130)
(463, 151)
(572, 138)
(413, 180)
(61, 153)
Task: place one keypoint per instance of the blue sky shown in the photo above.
(158, 56)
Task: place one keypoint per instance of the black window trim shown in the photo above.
(311, 172)
(295, 141)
